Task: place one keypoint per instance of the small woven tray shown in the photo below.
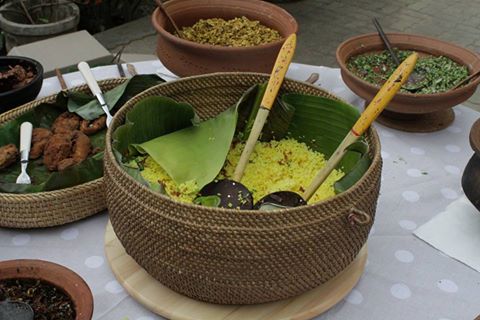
(52, 208)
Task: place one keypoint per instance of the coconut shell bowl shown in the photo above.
(52, 274)
(187, 58)
(471, 174)
(409, 111)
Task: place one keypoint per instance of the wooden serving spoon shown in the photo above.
(285, 199)
(232, 193)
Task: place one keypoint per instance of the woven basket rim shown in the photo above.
(108, 150)
(14, 113)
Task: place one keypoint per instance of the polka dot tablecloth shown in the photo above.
(405, 278)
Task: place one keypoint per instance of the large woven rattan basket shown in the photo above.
(229, 256)
(52, 208)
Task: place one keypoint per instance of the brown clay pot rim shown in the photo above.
(62, 277)
(475, 137)
(462, 89)
(187, 43)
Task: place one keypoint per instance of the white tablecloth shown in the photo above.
(405, 278)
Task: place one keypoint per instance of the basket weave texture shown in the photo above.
(52, 208)
(228, 256)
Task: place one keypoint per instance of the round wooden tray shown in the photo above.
(167, 303)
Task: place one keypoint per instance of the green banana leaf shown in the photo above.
(88, 107)
(169, 131)
(279, 119)
(43, 116)
(322, 123)
(151, 118)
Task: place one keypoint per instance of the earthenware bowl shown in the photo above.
(59, 276)
(186, 58)
(27, 93)
(407, 111)
(471, 174)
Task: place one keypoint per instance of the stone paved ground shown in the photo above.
(326, 23)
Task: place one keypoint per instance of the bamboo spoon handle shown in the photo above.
(169, 17)
(376, 106)
(274, 83)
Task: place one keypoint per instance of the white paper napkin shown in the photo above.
(455, 232)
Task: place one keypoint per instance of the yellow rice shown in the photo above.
(285, 165)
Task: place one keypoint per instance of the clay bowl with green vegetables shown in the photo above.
(366, 64)
(221, 35)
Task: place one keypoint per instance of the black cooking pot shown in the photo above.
(16, 97)
(471, 174)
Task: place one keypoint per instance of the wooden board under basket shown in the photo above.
(167, 303)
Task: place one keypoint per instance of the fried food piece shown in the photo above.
(15, 77)
(81, 149)
(81, 146)
(8, 155)
(40, 137)
(58, 148)
(66, 122)
(91, 127)
(65, 164)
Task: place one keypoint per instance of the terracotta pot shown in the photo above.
(67, 280)
(186, 58)
(408, 107)
(471, 174)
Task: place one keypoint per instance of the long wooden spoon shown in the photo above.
(274, 83)
(232, 193)
(376, 106)
(283, 199)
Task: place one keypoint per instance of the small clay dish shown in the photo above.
(408, 111)
(16, 97)
(59, 276)
(471, 174)
(187, 58)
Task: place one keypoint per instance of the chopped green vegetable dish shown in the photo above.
(440, 73)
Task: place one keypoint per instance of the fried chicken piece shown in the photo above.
(81, 146)
(91, 127)
(40, 137)
(65, 123)
(65, 164)
(8, 155)
(58, 148)
(81, 149)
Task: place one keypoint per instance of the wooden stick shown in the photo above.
(466, 80)
(169, 17)
(24, 7)
(376, 106)
(313, 78)
(274, 83)
(131, 69)
(60, 78)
